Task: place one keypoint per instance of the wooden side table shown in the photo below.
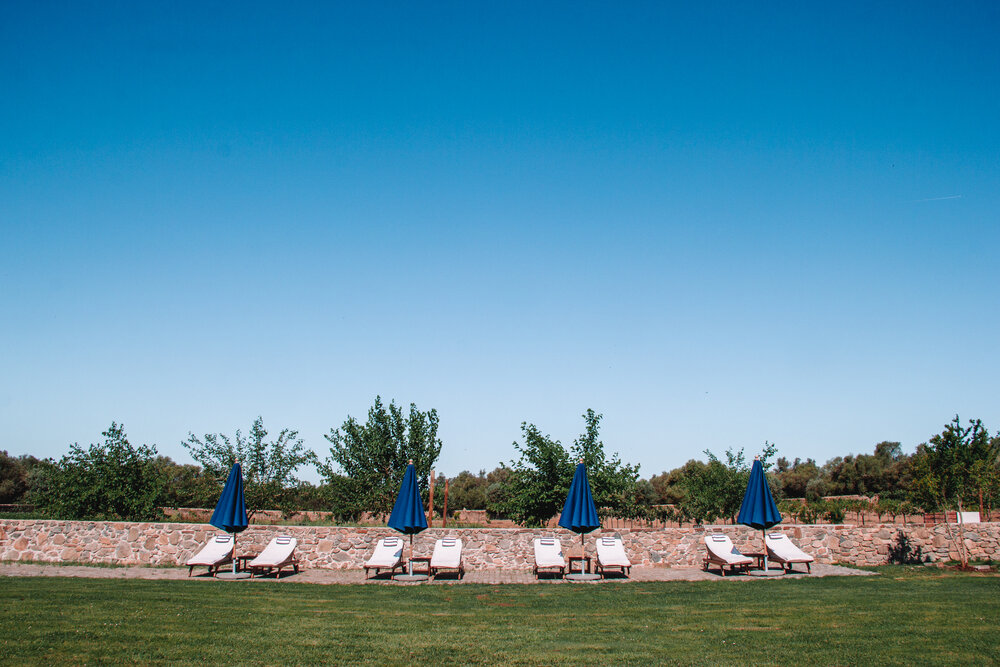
(424, 563)
(581, 561)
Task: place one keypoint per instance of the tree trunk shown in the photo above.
(961, 536)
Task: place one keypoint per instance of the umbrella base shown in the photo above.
(410, 578)
(582, 577)
(233, 576)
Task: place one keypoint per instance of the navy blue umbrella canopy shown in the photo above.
(408, 513)
(579, 513)
(758, 509)
(230, 512)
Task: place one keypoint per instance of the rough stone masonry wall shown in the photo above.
(483, 548)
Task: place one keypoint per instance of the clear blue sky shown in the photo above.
(715, 225)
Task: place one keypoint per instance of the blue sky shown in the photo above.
(715, 225)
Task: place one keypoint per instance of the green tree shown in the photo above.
(467, 491)
(113, 480)
(268, 465)
(670, 487)
(344, 497)
(186, 485)
(539, 480)
(375, 454)
(13, 478)
(716, 490)
(612, 483)
(951, 468)
(800, 479)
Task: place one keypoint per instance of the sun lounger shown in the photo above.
(388, 555)
(549, 555)
(781, 550)
(611, 554)
(721, 552)
(215, 554)
(279, 554)
(447, 556)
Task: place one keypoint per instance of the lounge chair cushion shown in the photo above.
(447, 553)
(278, 552)
(218, 549)
(388, 553)
(548, 552)
(721, 549)
(783, 550)
(611, 552)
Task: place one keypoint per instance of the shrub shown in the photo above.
(113, 480)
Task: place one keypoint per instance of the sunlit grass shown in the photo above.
(903, 616)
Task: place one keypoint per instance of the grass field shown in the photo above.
(905, 616)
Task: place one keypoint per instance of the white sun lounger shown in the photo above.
(215, 554)
(447, 556)
(279, 554)
(549, 555)
(781, 550)
(388, 555)
(721, 552)
(611, 553)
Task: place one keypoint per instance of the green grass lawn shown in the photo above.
(904, 616)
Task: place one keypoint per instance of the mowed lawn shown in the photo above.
(903, 616)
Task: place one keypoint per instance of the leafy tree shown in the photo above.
(268, 465)
(18, 475)
(13, 478)
(114, 480)
(186, 485)
(375, 454)
(612, 483)
(801, 479)
(947, 465)
(468, 491)
(645, 494)
(710, 493)
(951, 467)
(497, 494)
(884, 472)
(670, 486)
(539, 480)
(716, 491)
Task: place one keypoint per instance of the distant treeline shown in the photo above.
(117, 480)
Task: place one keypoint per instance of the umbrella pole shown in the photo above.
(411, 555)
(234, 553)
(763, 534)
(583, 554)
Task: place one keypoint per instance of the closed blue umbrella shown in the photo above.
(230, 512)
(758, 509)
(408, 513)
(579, 513)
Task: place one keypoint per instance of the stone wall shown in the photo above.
(483, 548)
